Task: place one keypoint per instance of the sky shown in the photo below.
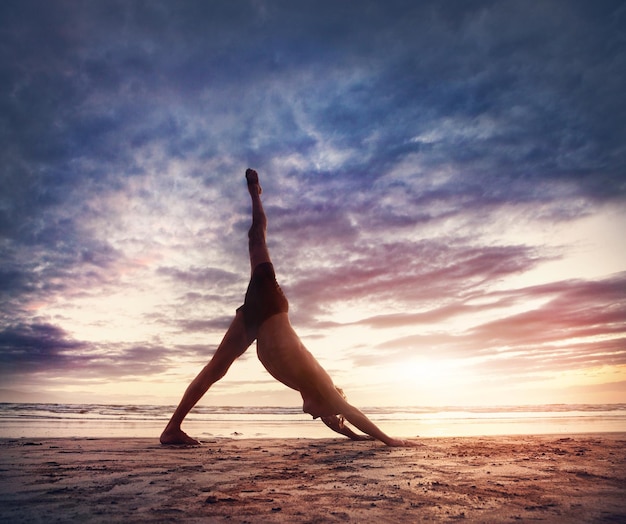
(445, 185)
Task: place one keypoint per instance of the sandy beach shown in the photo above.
(579, 478)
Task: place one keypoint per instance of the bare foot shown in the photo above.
(253, 179)
(401, 443)
(178, 438)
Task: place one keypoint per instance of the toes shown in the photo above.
(252, 176)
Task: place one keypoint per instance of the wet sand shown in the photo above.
(574, 478)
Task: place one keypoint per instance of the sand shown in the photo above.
(579, 478)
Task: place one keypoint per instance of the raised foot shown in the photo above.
(178, 438)
(252, 178)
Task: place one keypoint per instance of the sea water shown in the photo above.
(206, 422)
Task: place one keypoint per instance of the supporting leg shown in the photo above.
(234, 344)
(236, 340)
(257, 233)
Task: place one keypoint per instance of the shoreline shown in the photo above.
(556, 478)
(139, 421)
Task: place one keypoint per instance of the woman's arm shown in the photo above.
(335, 422)
(359, 420)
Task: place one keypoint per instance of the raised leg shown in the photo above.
(257, 233)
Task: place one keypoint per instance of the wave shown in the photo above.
(120, 412)
(31, 420)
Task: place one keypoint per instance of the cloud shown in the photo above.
(407, 276)
(203, 277)
(581, 309)
(36, 347)
(579, 325)
(47, 351)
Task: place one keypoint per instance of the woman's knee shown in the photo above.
(218, 366)
(256, 233)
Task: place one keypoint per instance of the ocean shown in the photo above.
(205, 422)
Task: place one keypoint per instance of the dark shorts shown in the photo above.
(264, 298)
